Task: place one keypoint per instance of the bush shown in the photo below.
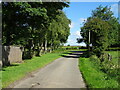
(108, 66)
(105, 65)
(93, 76)
(111, 69)
(27, 55)
(95, 59)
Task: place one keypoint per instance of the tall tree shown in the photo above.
(59, 34)
(99, 34)
(106, 14)
(27, 24)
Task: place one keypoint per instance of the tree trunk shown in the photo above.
(88, 47)
(39, 50)
(30, 48)
(45, 46)
(51, 48)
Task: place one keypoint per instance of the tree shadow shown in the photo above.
(11, 65)
(113, 50)
(70, 56)
(65, 53)
(73, 54)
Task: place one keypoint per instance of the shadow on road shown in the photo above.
(73, 54)
(70, 56)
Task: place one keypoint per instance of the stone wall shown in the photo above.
(11, 54)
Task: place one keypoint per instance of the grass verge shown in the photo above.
(115, 56)
(95, 78)
(18, 71)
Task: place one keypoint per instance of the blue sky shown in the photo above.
(78, 12)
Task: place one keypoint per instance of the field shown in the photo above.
(115, 56)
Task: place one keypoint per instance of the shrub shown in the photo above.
(95, 59)
(106, 65)
(109, 68)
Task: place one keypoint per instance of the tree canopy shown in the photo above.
(100, 30)
(34, 24)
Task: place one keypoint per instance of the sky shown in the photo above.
(80, 11)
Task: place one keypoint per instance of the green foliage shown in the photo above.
(98, 31)
(103, 29)
(106, 14)
(68, 45)
(18, 22)
(115, 56)
(95, 60)
(60, 32)
(117, 36)
(106, 66)
(80, 40)
(34, 24)
(111, 67)
(94, 77)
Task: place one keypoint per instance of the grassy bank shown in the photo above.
(115, 56)
(18, 71)
(94, 77)
(100, 74)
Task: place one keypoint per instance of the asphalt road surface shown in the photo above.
(61, 73)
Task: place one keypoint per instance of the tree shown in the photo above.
(22, 23)
(53, 10)
(59, 34)
(106, 14)
(18, 20)
(27, 24)
(99, 34)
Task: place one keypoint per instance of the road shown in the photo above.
(61, 73)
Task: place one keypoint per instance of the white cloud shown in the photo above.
(71, 25)
(73, 42)
(70, 40)
(114, 8)
(77, 34)
(82, 20)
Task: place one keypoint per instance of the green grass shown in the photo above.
(94, 77)
(114, 48)
(18, 71)
(115, 56)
